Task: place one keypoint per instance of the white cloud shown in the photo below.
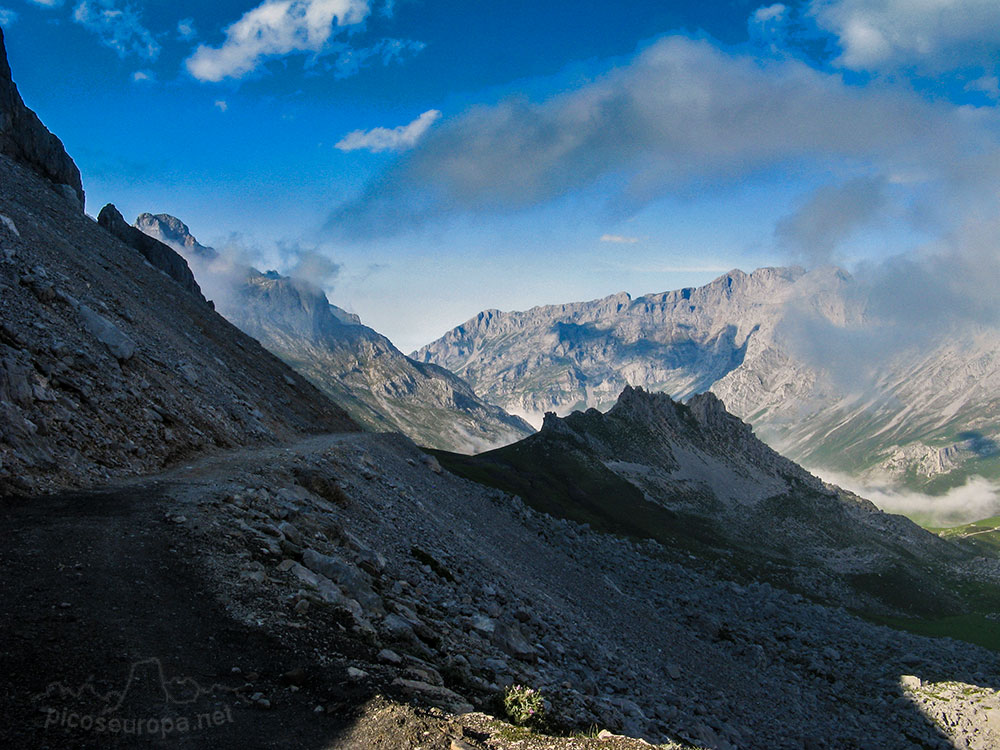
(619, 239)
(186, 30)
(222, 105)
(389, 139)
(932, 35)
(7, 16)
(833, 213)
(118, 27)
(48, 3)
(273, 29)
(351, 59)
(141, 76)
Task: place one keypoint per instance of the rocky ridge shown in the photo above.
(358, 367)
(928, 414)
(695, 476)
(109, 368)
(157, 253)
(27, 141)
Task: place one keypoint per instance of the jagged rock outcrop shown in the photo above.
(563, 357)
(172, 231)
(929, 410)
(158, 254)
(26, 140)
(357, 366)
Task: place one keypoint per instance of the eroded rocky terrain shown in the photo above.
(382, 575)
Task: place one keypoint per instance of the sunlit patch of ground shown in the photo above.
(968, 714)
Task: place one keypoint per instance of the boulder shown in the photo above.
(119, 344)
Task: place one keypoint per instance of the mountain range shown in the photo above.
(925, 416)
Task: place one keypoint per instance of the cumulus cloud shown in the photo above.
(934, 35)
(48, 3)
(619, 239)
(143, 76)
(275, 28)
(389, 139)
(7, 16)
(119, 27)
(681, 113)
(222, 105)
(813, 232)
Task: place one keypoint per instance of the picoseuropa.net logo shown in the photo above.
(148, 705)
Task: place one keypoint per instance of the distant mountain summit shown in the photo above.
(929, 416)
(172, 231)
(357, 366)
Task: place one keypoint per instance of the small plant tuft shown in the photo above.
(525, 707)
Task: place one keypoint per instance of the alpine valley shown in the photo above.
(235, 517)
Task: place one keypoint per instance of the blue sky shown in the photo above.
(453, 156)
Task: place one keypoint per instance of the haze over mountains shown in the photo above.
(358, 367)
(920, 413)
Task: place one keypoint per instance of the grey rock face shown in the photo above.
(109, 368)
(563, 357)
(25, 139)
(159, 255)
(172, 231)
(746, 337)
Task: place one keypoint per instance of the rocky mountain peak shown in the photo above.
(27, 141)
(172, 231)
(157, 253)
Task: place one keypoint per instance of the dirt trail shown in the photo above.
(98, 587)
(112, 636)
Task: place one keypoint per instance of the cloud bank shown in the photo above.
(389, 139)
(682, 114)
(975, 500)
(813, 232)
